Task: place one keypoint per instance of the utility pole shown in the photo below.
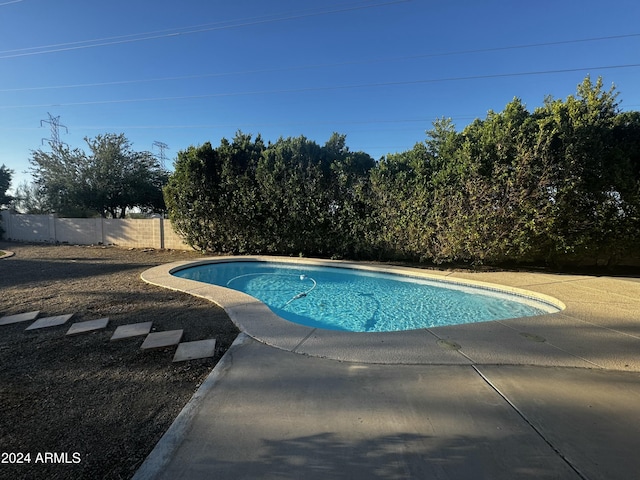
(161, 156)
(54, 123)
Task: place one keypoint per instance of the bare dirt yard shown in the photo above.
(96, 407)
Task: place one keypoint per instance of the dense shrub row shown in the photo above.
(559, 185)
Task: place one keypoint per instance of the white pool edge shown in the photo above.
(256, 320)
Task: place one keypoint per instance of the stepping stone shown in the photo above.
(131, 330)
(194, 350)
(20, 317)
(162, 339)
(89, 326)
(49, 322)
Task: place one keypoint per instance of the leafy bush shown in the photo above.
(290, 197)
(559, 185)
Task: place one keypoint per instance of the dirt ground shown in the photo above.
(98, 406)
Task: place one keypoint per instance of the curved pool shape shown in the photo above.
(353, 300)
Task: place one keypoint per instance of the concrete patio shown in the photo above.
(555, 396)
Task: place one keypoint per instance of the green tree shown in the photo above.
(350, 200)
(487, 195)
(290, 197)
(586, 165)
(314, 198)
(108, 180)
(58, 176)
(212, 198)
(559, 185)
(623, 199)
(5, 183)
(189, 196)
(117, 178)
(30, 199)
(240, 203)
(294, 186)
(402, 199)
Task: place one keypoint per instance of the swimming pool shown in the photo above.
(334, 298)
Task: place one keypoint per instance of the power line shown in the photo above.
(326, 88)
(427, 120)
(272, 124)
(322, 65)
(208, 27)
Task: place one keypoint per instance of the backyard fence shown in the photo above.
(128, 232)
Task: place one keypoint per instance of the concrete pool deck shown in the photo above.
(554, 396)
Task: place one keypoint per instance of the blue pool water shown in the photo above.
(362, 301)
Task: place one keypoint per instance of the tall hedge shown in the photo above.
(557, 185)
(289, 197)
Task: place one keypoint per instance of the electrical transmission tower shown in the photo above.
(161, 156)
(54, 123)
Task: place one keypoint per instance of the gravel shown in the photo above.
(82, 406)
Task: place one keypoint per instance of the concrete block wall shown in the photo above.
(29, 228)
(83, 231)
(137, 233)
(172, 240)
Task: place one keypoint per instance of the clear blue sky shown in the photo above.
(379, 71)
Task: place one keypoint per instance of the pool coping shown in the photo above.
(6, 254)
(434, 345)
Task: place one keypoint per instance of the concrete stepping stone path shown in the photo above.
(88, 326)
(131, 330)
(185, 351)
(195, 350)
(49, 322)
(162, 339)
(20, 317)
